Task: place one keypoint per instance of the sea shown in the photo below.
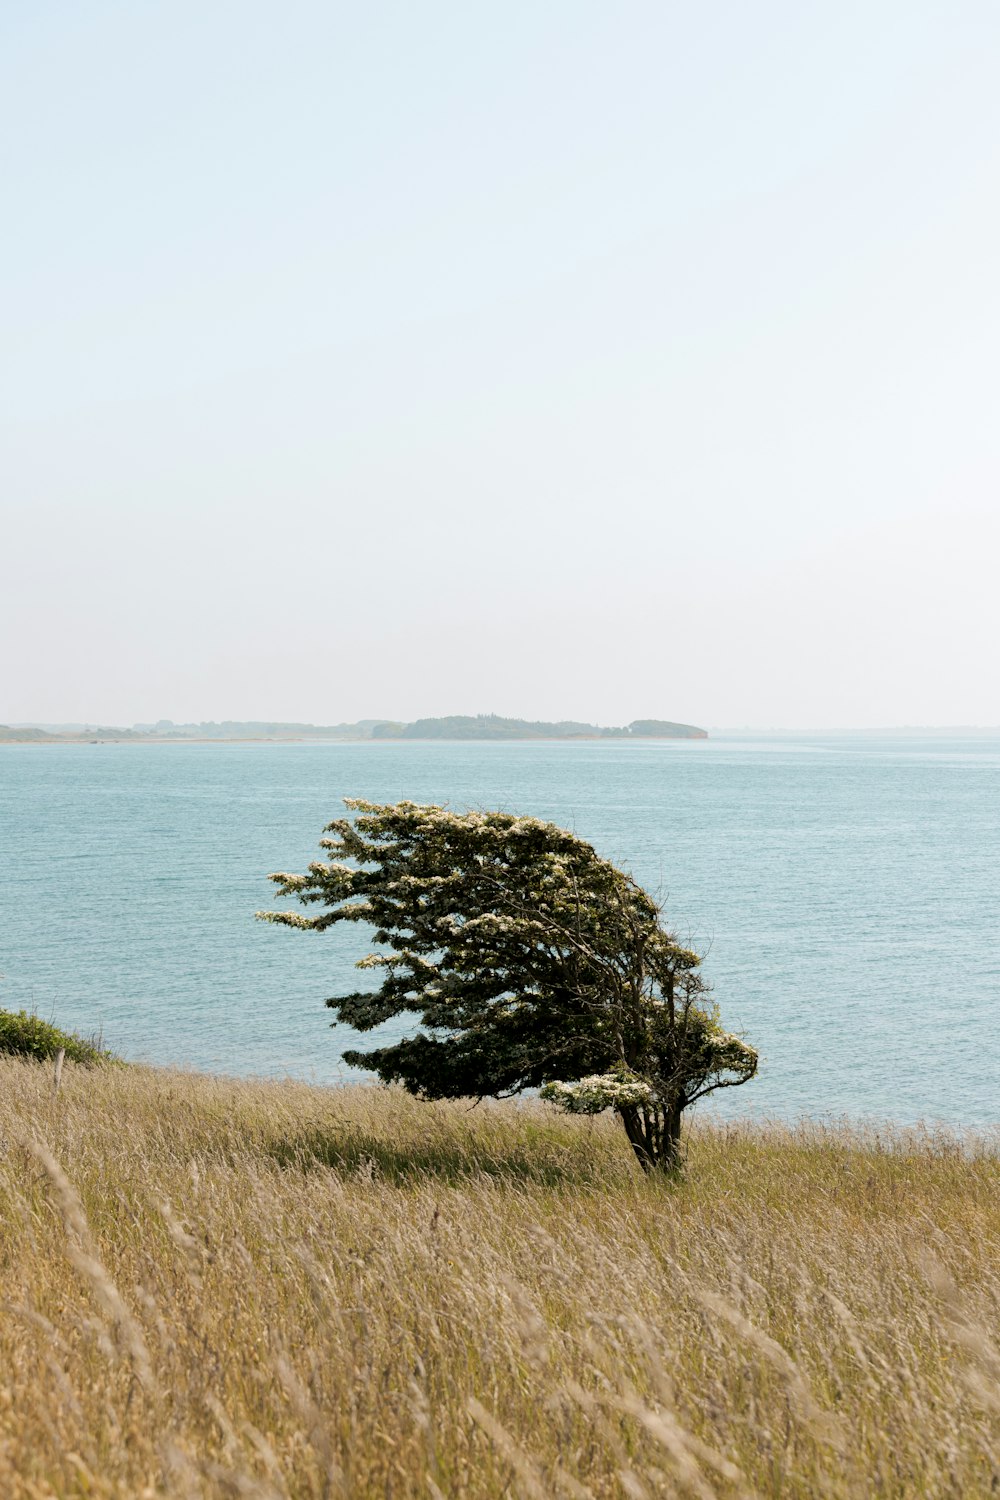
(844, 889)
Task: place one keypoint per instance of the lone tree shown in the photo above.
(531, 962)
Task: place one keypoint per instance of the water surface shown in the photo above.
(846, 891)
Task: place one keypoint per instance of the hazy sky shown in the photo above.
(550, 358)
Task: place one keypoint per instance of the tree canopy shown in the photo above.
(530, 961)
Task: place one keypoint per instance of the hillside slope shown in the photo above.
(266, 1289)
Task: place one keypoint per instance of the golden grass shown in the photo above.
(250, 1289)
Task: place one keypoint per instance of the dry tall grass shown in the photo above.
(245, 1289)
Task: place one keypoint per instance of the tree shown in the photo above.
(531, 962)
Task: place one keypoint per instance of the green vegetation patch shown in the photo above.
(25, 1035)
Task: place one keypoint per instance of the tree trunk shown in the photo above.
(655, 1136)
(671, 1159)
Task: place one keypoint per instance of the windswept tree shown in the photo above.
(531, 963)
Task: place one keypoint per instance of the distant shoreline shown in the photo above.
(456, 728)
(309, 739)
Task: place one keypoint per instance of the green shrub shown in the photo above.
(30, 1036)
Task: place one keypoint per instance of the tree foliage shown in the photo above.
(530, 961)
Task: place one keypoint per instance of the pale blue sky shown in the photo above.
(547, 359)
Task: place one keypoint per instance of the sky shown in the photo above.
(560, 359)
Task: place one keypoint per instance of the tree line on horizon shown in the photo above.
(450, 727)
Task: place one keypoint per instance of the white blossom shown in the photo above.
(599, 1091)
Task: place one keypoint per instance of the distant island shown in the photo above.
(493, 727)
(453, 727)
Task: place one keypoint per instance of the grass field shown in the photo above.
(251, 1289)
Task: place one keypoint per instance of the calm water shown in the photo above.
(846, 890)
